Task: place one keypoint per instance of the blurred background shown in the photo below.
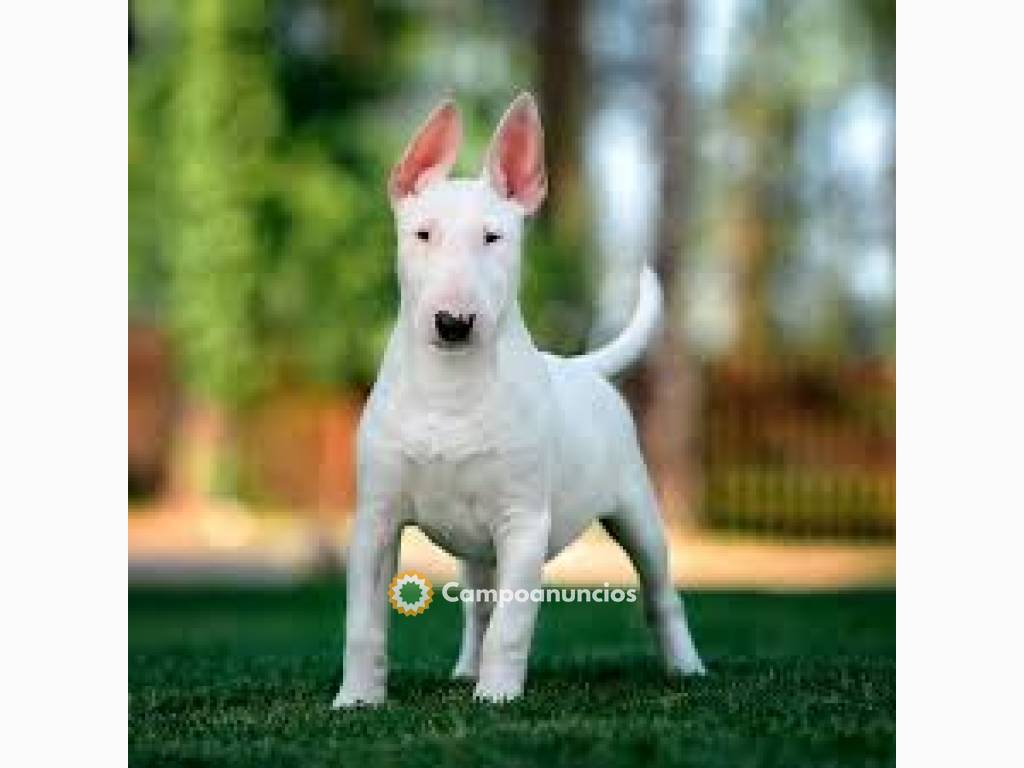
(743, 147)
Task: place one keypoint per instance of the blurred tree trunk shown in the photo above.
(221, 121)
(562, 76)
(752, 238)
(663, 390)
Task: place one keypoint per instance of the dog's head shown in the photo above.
(459, 240)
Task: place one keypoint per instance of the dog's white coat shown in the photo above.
(501, 454)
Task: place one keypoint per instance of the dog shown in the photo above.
(501, 454)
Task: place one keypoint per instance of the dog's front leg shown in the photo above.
(373, 557)
(477, 576)
(521, 543)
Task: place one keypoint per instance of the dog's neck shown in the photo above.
(454, 381)
(447, 380)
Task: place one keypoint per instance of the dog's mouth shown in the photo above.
(451, 347)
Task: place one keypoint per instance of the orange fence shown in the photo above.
(791, 447)
(801, 447)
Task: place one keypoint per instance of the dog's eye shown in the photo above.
(491, 237)
(423, 235)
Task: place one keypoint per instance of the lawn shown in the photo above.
(245, 676)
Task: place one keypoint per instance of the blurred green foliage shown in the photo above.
(260, 138)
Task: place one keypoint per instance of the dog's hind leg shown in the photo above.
(637, 526)
(477, 615)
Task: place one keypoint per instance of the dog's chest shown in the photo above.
(456, 503)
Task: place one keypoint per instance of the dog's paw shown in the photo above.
(348, 698)
(495, 696)
(465, 669)
(465, 674)
(678, 651)
(689, 667)
(686, 663)
(497, 690)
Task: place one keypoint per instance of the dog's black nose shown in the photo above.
(453, 329)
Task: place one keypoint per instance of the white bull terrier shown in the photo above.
(501, 454)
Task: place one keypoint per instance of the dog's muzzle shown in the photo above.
(453, 329)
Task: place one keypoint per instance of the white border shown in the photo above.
(960, 280)
(62, 325)
(63, 293)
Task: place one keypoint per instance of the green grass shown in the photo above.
(245, 676)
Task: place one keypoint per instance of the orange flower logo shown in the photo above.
(410, 593)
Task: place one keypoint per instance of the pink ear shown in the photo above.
(515, 160)
(430, 155)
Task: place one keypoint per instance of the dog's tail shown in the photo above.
(626, 348)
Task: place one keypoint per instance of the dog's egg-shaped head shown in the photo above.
(459, 240)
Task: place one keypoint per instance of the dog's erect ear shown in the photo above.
(430, 155)
(515, 160)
